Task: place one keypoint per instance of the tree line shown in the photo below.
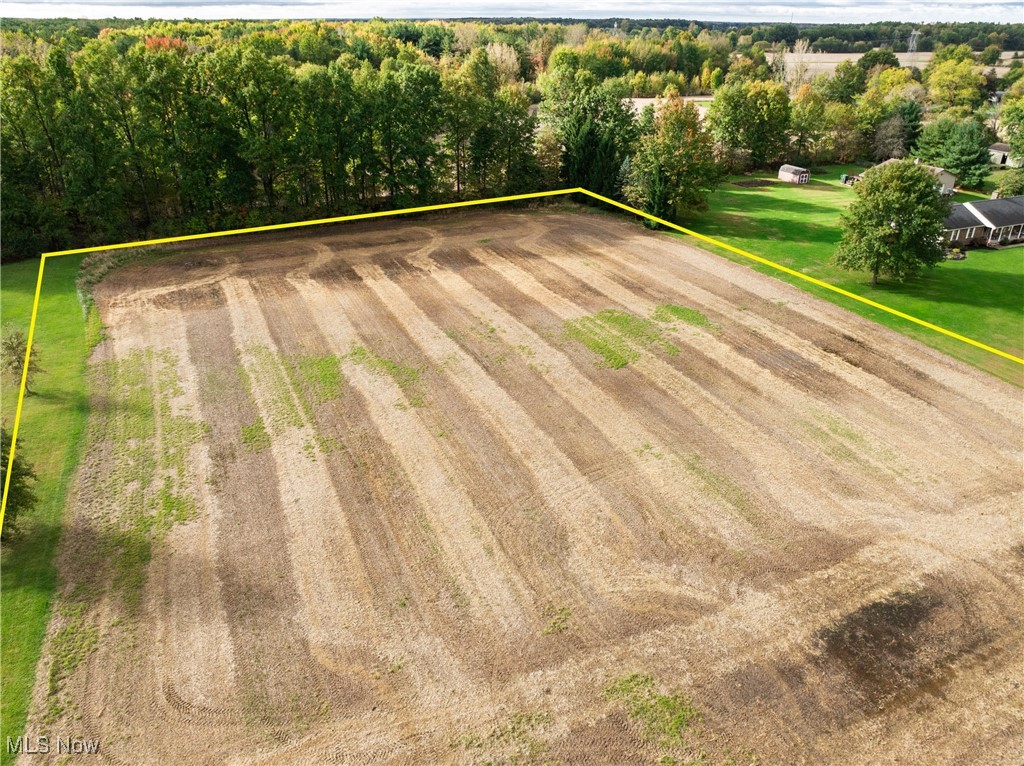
(155, 128)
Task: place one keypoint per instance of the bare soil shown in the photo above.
(754, 183)
(529, 488)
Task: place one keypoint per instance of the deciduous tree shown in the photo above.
(894, 226)
(753, 116)
(1011, 183)
(955, 83)
(892, 138)
(13, 347)
(673, 170)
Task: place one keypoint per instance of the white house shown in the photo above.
(946, 179)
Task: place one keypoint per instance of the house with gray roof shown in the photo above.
(991, 221)
(945, 179)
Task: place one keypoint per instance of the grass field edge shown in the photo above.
(807, 278)
(21, 390)
(24, 622)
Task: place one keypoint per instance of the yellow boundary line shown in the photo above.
(424, 209)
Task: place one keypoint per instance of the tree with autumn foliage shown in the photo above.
(673, 170)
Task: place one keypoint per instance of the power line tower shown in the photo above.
(912, 47)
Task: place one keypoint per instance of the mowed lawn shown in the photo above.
(52, 425)
(981, 297)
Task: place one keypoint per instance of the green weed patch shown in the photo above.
(618, 336)
(407, 378)
(670, 312)
(255, 436)
(665, 718)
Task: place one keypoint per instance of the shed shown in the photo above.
(1000, 155)
(794, 175)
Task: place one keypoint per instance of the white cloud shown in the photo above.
(813, 11)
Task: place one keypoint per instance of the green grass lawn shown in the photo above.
(985, 192)
(52, 427)
(798, 226)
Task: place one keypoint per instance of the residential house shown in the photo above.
(990, 221)
(947, 180)
(1000, 154)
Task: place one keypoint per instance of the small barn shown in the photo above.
(794, 175)
(1000, 155)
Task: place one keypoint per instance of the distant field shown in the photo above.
(532, 487)
(798, 226)
(817, 63)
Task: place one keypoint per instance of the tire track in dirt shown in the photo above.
(794, 526)
(823, 324)
(775, 631)
(596, 527)
(486, 296)
(671, 589)
(442, 673)
(614, 430)
(917, 413)
(775, 406)
(274, 667)
(750, 441)
(460, 531)
(310, 504)
(193, 647)
(384, 508)
(496, 483)
(363, 468)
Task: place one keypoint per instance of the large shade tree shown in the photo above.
(753, 116)
(894, 226)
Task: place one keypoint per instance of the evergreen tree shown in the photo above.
(961, 147)
(21, 496)
(966, 153)
(912, 114)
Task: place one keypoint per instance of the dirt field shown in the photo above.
(530, 488)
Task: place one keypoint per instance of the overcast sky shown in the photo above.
(809, 11)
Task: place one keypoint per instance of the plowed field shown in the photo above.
(529, 488)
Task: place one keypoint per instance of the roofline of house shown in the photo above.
(978, 214)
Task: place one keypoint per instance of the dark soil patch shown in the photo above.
(754, 183)
(894, 648)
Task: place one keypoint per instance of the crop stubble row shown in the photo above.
(379, 580)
